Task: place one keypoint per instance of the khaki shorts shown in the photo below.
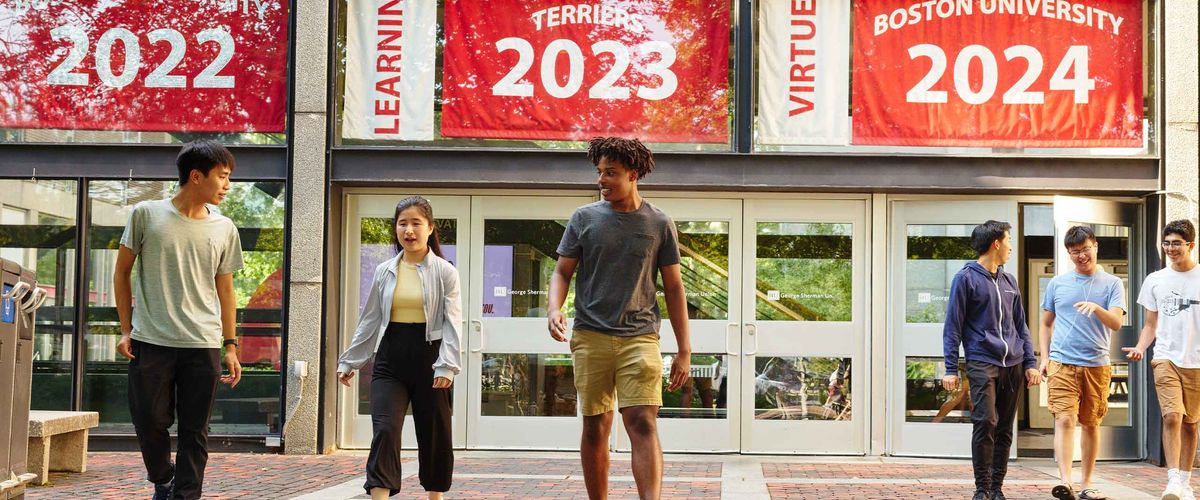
(1079, 390)
(1178, 389)
(607, 366)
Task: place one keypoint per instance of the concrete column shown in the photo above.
(1181, 108)
(308, 174)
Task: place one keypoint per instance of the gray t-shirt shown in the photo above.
(619, 258)
(174, 282)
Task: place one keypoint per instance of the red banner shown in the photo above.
(172, 65)
(657, 70)
(998, 73)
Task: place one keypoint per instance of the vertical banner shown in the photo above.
(998, 73)
(390, 48)
(803, 61)
(657, 70)
(169, 65)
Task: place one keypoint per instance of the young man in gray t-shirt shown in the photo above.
(619, 245)
(185, 254)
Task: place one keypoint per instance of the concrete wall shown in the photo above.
(308, 168)
(1181, 108)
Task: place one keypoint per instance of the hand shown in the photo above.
(125, 346)
(1044, 368)
(681, 368)
(344, 378)
(1033, 376)
(1134, 353)
(558, 326)
(235, 368)
(1087, 309)
(950, 383)
(441, 383)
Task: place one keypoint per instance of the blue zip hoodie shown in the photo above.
(987, 316)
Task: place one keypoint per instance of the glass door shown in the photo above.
(804, 295)
(699, 416)
(930, 242)
(522, 393)
(1115, 226)
(368, 243)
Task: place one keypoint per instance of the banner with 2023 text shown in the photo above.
(171, 65)
(657, 70)
(998, 73)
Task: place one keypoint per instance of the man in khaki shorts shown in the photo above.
(619, 245)
(1081, 309)
(1171, 297)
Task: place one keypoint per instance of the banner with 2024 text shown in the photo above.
(998, 73)
(175, 66)
(390, 49)
(657, 70)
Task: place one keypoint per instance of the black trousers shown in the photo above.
(404, 375)
(995, 391)
(163, 381)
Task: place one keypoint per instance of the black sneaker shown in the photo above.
(164, 491)
(998, 495)
(1063, 492)
(981, 495)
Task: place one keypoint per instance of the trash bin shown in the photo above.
(23, 369)
(11, 291)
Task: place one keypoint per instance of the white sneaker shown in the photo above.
(1174, 489)
(1188, 494)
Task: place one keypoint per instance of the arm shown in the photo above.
(1110, 317)
(1021, 323)
(1044, 341)
(560, 282)
(952, 328)
(1149, 331)
(362, 345)
(448, 363)
(123, 285)
(228, 301)
(677, 308)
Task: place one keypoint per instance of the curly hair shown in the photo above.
(629, 152)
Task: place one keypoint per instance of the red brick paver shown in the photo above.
(887, 471)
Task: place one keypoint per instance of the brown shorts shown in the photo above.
(607, 367)
(1079, 390)
(1178, 389)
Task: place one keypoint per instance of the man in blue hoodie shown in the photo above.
(986, 316)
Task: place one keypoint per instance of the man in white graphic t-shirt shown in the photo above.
(1171, 297)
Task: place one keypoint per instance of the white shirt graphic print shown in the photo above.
(1176, 297)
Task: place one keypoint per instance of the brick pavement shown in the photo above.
(533, 475)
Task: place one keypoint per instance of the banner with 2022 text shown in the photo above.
(657, 70)
(175, 66)
(998, 73)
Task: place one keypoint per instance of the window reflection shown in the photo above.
(803, 271)
(935, 253)
(924, 398)
(518, 258)
(705, 393)
(528, 385)
(704, 266)
(796, 388)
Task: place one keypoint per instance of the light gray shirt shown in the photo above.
(620, 254)
(174, 280)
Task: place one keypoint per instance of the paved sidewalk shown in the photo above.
(536, 475)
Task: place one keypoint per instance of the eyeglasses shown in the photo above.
(1174, 244)
(1081, 251)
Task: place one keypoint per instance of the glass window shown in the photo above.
(376, 245)
(257, 209)
(704, 394)
(680, 29)
(704, 266)
(803, 271)
(518, 259)
(37, 231)
(528, 385)
(924, 398)
(935, 253)
(795, 388)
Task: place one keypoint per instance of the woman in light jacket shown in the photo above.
(411, 324)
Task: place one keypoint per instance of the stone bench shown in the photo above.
(58, 441)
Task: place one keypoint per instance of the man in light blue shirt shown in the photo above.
(1081, 309)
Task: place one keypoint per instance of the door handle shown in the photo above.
(728, 351)
(479, 328)
(753, 332)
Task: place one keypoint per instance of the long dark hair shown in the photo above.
(427, 212)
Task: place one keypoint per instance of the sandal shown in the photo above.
(1063, 492)
(1091, 494)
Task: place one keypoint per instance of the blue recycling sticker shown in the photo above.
(8, 309)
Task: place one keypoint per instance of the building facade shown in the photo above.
(817, 251)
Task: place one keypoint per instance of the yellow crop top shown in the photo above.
(408, 303)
